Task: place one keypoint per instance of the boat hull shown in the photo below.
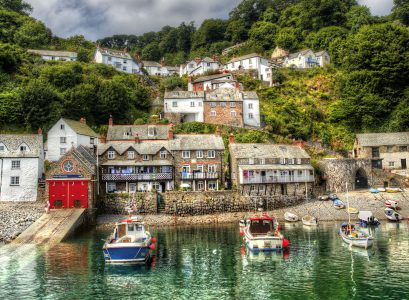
(129, 254)
(358, 242)
(264, 244)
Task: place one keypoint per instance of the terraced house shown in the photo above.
(270, 169)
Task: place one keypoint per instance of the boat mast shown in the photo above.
(349, 215)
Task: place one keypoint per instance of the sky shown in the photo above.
(101, 18)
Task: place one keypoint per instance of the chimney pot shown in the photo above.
(231, 138)
(39, 131)
(137, 140)
(111, 121)
(102, 139)
(83, 120)
(170, 132)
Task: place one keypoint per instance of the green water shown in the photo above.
(210, 263)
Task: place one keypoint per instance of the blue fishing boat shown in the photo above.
(338, 204)
(374, 190)
(130, 243)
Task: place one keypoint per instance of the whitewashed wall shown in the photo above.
(255, 121)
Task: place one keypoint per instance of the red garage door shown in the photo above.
(68, 193)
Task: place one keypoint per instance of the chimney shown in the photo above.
(231, 138)
(170, 132)
(137, 140)
(102, 139)
(218, 131)
(39, 131)
(83, 120)
(126, 49)
(299, 143)
(98, 45)
(189, 84)
(198, 60)
(111, 121)
(215, 58)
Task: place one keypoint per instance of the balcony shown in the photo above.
(137, 177)
(199, 175)
(278, 179)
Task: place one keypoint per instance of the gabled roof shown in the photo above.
(183, 94)
(211, 77)
(383, 139)
(129, 132)
(144, 147)
(245, 57)
(12, 143)
(148, 63)
(53, 53)
(321, 53)
(173, 69)
(80, 128)
(303, 52)
(224, 94)
(116, 53)
(239, 150)
(209, 60)
(196, 142)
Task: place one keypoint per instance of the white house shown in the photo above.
(21, 166)
(187, 105)
(67, 134)
(307, 59)
(322, 58)
(251, 62)
(205, 83)
(119, 60)
(200, 66)
(251, 109)
(156, 69)
(55, 55)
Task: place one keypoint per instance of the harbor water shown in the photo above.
(210, 262)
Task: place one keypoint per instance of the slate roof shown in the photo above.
(224, 94)
(383, 139)
(128, 132)
(80, 128)
(116, 53)
(12, 143)
(173, 69)
(145, 147)
(148, 63)
(196, 142)
(183, 95)
(244, 57)
(53, 53)
(250, 95)
(303, 52)
(212, 77)
(209, 60)
(321, 53)
(238, 150)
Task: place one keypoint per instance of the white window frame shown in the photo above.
(251, 161)
(163, 154)
(212, 104)
(15, 164)
(131, 154)
(2, 148)
(262, 161)
(211, 185)
(146, 157)
(391, 164)
(250, 105)
(250, 116)
(200, 168)
(185, 154)
(62, 127)
(174, 104)
(232, 104)
(233, 114)
(111, 186)
(192, 103)
(199, 154)
(23, 148)
(15, 180)
(212, 168)
(111, 155)
(63, 140)
(133, 187)
(63, 151)
(92, 141)
(211, 153)
(213, 113)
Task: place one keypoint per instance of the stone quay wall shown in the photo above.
(193, 203)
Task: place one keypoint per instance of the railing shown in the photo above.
(137, 177)
(200, 175)
(278, 179)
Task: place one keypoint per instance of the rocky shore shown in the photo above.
(363, 200)
(15, 217)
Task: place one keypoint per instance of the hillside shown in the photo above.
(365, 89)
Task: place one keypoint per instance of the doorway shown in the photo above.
(403, 163)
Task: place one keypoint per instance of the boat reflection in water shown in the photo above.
(263, 256)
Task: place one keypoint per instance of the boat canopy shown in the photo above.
(365, 215)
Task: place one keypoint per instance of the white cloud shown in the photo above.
(100, 18)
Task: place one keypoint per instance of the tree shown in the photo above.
(11, 58)
(151, 52)
(33, 34)
(184, 39)
(288, 38)
(10, 108)
(80, 101)
(236, 31)
(19, 6)
(249, 11)
(322, 38)
(358, 16)
(400, 11)
(263, 33)
(211, 31)
(10, 21)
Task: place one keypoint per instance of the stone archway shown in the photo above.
(361, 179)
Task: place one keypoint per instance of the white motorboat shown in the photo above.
(309, 220)
(263, 234)
(354, 237)
(290, 217)
(393, 215)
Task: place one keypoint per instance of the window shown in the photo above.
(200, 186)
(124, 61)
(118, 65)
(250, 116)
(185, 154)
(131, 154)
(163, 154)
(389, 148)
(375, 151)
(62, 126)
(232, 104)
(250, 62)
(109, 58)
(111, 154)
(151, 131)
(200, 104)
(132, 187)
(251, 161)
(391, 164)
(124, 68)
(15, 164)
(2, 148)
(211, 168)
(401, 148)
(311, 172)
(174, 104)
(63, 151)
(111, 187)
(299, 173)
(211, 154)
(212, 186)
(145, 157)
(223, 104)
(191, 66)
(14, 180)
(212, 104)
(23, 148)
(262, 161)
(200, 168)
(92, 141)
(213, 113)
(192, 104)
(233, 114)
(63, 140)
(199, 154)
(250, 105)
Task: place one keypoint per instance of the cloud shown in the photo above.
(100, 18)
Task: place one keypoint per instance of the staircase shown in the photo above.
(160, 203)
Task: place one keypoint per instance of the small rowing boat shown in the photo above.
(354, 237)
(309, 220)
(391, 203)
(353, 210)
(338, 204)
(289, 217)
(393, 215)
(374, 190)
(393, 190)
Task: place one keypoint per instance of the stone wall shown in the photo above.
(386, 178)
(118, 203)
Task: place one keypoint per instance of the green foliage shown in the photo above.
(288, 38)
(263, 33)
(19, 6)
(170, 83)
(249, 11)
(33, 34)
(11, 58)
(400, 11)
(357, 17)
(10, 108)
(321, 39)
(211, 31)
(236, 31)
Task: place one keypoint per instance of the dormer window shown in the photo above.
(62, 126)
(23, 148)
(111, 154)
(2, 148)
(152, 131)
